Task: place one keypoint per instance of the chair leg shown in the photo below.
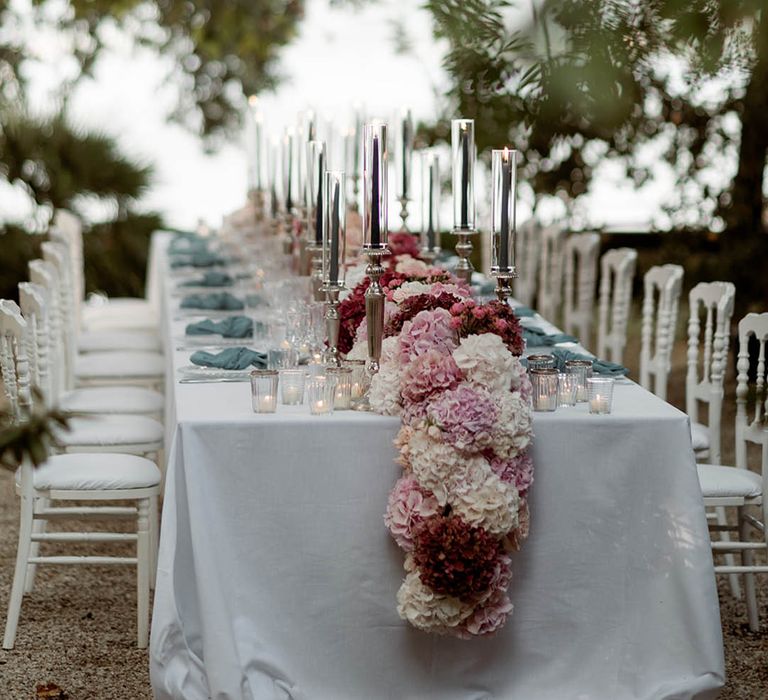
(154, 531)
(143, 565)
(730, 558)
(747, 559)
(38, 527)
(20, 573)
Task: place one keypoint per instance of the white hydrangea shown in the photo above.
(486, 361)
(410, 289)
(486, 501)
(512, 431)
(427, 610)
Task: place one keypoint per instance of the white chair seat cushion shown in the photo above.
(113, 399)
(699, 437)
(120, 365)
(103, 431)
(718, 481)
(107, 341)
(123, 313)
(95, 472)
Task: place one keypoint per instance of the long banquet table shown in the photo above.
(277, 578)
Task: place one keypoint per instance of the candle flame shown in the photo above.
(253, 101)
(505, 154)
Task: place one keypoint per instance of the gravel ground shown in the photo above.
(77, 630)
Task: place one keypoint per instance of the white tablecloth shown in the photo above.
(277, 577)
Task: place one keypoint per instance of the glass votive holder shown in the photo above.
(567, 385)
(282, 357)
(582, 369)
(359, 378)
(264, 390)
(544, 361)
(600, 394)
(320, 392)
(292, 387)
(544, 382)
(342, 393)
(316, 365)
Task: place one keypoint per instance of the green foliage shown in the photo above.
(56, 163)
(31, 436)
(591, 79)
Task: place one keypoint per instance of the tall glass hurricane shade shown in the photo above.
(334, 229)
(463, 162)
(289, 170)
(430, 202)
(255, 135)
(274, 184)
(316, 163)
(503, 210)
(404, 153)
(351, 147)
(375, 162)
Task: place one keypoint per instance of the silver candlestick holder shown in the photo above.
(403, 213)
(315, 252)
(374, 316)
(504, 283)
(332, 323)
(464, 249)
(287, 232)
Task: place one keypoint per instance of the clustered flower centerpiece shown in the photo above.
(450, 369)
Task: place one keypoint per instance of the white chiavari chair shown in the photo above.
(72, 477)
(739, 487)
(581, 253)
(661, 302)
(138, 368)
(550, 292)
(617, 271)
(526, 262)
(136, 315)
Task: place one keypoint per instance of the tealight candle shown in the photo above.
(320, 394)
(600, 391)
(342, 378)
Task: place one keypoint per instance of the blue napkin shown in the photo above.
(210, 279)
(232, 327)
(199, 259)
(231, 358)
(254, 300)
(523, 311)
(216, 301)
(536, 338)
(603, 367)
(185, 245)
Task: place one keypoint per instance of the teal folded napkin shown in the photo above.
(232, 327)
(187, 245)
(523, 311)
(536, 338)
(603, 367)
(254, 300)
(210, 279)
(199, 259)
(216, 301)
(231, 358)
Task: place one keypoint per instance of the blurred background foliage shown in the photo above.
(221, 50)
(681, 82)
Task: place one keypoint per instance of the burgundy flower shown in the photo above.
(454, 558)
(412, 306)
(470, 318)
(402, 243)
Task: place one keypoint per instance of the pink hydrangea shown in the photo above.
(517, 471)
(427, 374)
(409, 504)
(428, 330)
(466, 416)
(487, 618)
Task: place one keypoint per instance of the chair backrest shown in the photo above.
(617, 270)
(661, 302)
(13, 357)
(57, 255)
(550, 293)
(755, 429)
(526, 262)
(44, 275)
(70, 228)
(34, 308)
(706, 369)
(581, 252)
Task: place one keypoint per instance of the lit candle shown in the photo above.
(357, 390)
(375, 229)
(291, 395)
(598, 404)
(266, 403)
(334, 272)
